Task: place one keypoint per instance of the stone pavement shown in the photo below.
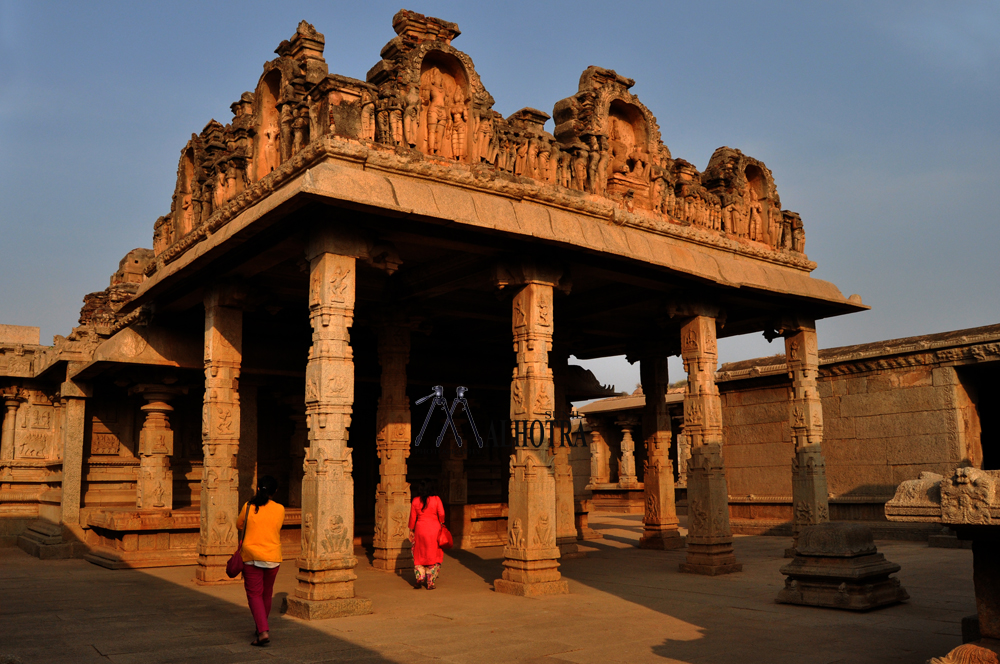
(626, 605)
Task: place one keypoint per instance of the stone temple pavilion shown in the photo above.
(340, 247)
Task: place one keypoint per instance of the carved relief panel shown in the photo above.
(435, 115)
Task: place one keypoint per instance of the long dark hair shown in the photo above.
(266, 488)
(426, 489)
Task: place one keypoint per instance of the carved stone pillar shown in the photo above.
(560, 446)
(810, 499)
(531, 557)
(74, 425)
(326, 564)
(220, 434)
(710, 538)
(660, 521)
(626, 464)
(600, 456)
(155, 486)
(392, 496)
(11, 404)
(296, 451)
(454, 484)
(683, 456)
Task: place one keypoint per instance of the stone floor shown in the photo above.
(626, 605)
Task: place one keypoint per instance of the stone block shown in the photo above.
(20, 334)
(831, 406)
(838, 427)
(765, 396)
(858, 385)
(903, 424)
(307, 609)
(915, 377)
(773, 432)
(837, 566)
(760, 480)
(935, 448)
(763, 454)
(855, 452)
(942, 376)
(838, 386)
(531, 589)
(756, 414)
(825, 389)
(845, 479)
(901, 400)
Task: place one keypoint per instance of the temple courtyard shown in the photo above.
(626, 604)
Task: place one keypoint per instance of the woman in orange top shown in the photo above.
(426, 520)
(261, 552)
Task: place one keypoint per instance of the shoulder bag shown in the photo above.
(235, 565)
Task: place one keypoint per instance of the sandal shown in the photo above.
(259, 642)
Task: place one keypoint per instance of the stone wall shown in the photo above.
(885, 421)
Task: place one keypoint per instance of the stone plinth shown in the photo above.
(137, 539)
(44, 540)
(330, 608)
(610, 497)
(837, 566)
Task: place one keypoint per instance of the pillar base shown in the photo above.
(711, 558)
(569, 549)
(211, 571)
(711, 570)
(44, 541)
(664, 540)
(390, 560)
(531, 589)
(321, 609)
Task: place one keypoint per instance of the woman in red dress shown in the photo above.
(426, 520)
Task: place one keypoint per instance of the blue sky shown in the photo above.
(880, 122)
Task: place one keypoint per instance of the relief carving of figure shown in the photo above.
(485, 148)
(593, 166)
(459, 124)
(437, 112)
(580, 169)
(521, 158)
(411, 115)
(564, 172)
(367, 116)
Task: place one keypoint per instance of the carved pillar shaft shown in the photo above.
(710, 538)
(560, 446)
(810, 499)
(7, 437)
(326, 564)
(660, 520)
(600, 457)
(297, 454)
(626, 464)
(74, 422)
(531, 557)
(155, 488)
(392, 439)
(220, 435)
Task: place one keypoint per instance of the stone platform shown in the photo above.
(625, 605)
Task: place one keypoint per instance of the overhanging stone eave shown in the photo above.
(348, 182)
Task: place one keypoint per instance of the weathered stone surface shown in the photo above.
(836, 565)
(305, 609)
